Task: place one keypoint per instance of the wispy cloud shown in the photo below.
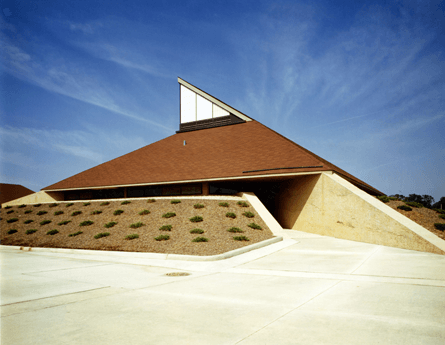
(376, 66)
(89, 145)
(56, 74)
(52, 140)
(85, 28)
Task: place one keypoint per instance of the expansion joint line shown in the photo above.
(280, 317)
(370, 255)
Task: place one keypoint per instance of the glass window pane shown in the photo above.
(218, 111)
(204, 108)
(192, 189)
(188, 105)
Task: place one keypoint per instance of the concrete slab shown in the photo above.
(404, 263)
(306, 327)
(116, 275)
(283, 292)
(144, 318)
(307, 290)
(17, 262)
(365, 313)
(20, 288)
(315, 256)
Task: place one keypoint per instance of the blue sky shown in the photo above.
(361, 84)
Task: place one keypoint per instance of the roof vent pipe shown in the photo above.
(184, 142)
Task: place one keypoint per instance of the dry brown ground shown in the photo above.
(422, 216)
(215, 225)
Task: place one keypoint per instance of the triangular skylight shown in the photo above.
(199, 110)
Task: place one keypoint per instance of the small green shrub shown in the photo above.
(414, 204)
(41, 213)
(242, 204)
(58, 213)
(241, 238)
(162, 238)
(96, 212)
(105, 203)
(76, 213)
(8, 207)
(439, 226)
(28, 221)
(438, 210)
(75, 234)
(169, 215)
(393, 198)
(231, 215)
(9, 212)
(44, 222)
(175, 202)
(30, 231)
(198, 206)
(118, 212)
(12, 231)
(86, 203)
(52, 232)
(248, 214)
(165, 228)
(110, 224)
(70, 204)
(254, 226)
(131, 237)
(101, 234)
(126, 202)
(234, 229)
(223, 204)
(22, 205)
(86, 223)
(196, 231)
(28, 211)
(200, 239)
(37, 205)
(442, 216)
(53, 205)
(383, 198)
(143, 212)
(136, 225)
(65, 222)
(151, 200)
(404, 207)
(12, 220)
(196, 219)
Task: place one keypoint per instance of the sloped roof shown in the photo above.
(241, 150)
(10, 192)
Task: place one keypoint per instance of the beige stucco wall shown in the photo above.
(327, 204)
(36, 198)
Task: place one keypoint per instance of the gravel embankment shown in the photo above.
(422, 216)
(214, 224)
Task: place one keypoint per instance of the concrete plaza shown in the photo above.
(307, 289)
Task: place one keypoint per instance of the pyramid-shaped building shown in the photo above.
(217, 150)
(220, 151)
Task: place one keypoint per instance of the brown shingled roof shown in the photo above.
(232, 151)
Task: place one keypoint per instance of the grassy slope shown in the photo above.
(422, 216)
(215, 225)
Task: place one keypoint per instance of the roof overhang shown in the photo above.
(234, 178)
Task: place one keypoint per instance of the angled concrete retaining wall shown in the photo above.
(36, 198)
(327, 204)
(263, 212)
